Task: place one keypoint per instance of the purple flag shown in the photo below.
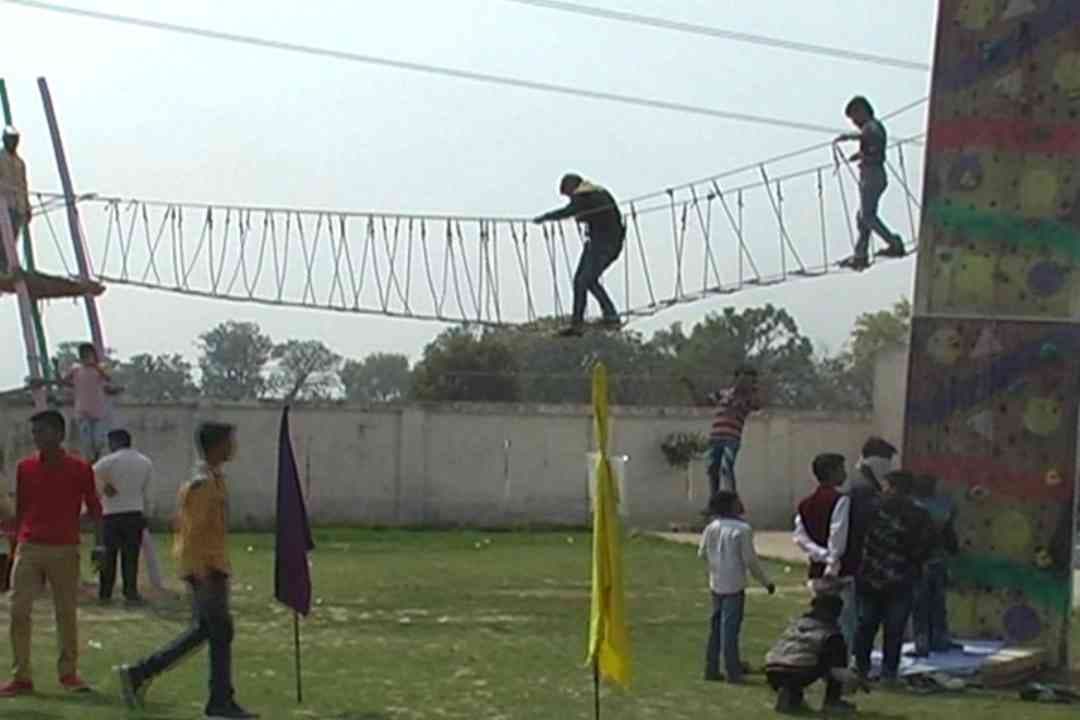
(292, 578)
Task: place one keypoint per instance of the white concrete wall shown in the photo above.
(890, 394)
(481, 465)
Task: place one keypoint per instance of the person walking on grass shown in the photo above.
(202, 553)
(51, 489)
(123, 477)
(873, 180)
(595, 208)
(727, 545)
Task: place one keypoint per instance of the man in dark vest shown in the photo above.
(812, 649)
(876, 461)
(595, 208)
(821, 531)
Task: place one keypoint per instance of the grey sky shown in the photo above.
(155, 115)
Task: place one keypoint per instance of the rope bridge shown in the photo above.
(757, 226)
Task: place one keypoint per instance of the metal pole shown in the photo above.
(73, 217)
(7, 236)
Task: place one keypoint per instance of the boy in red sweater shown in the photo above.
(50, 490)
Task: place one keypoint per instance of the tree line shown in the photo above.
(238, 361)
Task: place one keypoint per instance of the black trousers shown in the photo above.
(122, 535)
(796, 682)
(596, 256)
(212, 623)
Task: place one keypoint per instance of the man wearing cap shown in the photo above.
(13, 186)
(595, 208)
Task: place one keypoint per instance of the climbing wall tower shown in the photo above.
(993, 382)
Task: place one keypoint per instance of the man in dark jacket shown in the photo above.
(875, 463)
(595, 208)
(811, 649)
(896, 547)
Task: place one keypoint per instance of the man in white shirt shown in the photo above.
(727, 544)
(123, 478)
(821, 531)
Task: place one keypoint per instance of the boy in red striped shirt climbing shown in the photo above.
(733, 405)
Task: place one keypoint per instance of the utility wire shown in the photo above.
(423, 68)
(724, 34)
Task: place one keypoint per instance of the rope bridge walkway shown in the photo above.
(756, 226)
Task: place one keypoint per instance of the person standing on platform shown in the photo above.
(51, 488)
(123, 477)
(13, 187)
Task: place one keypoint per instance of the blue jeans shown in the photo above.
(727, 617)
(930, 616)
(890, 608)
(596, 256)
(722, 457)
(92, 438)
(872, 184)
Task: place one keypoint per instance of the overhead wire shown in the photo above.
(743, 37)
(423, 67)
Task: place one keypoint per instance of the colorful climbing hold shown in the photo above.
(1049, 352)
(1021, 623)
(966, 174)
(1042, 559)
(1012, 532)
(945, 345)
(1042, 415)
(1053, 477)
(1046, 278)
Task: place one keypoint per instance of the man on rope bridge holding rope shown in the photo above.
(13, 185)
(595, 207)
(872, 183)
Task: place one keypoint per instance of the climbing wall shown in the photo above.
(993, 398)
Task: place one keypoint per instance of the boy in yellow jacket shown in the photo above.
(201, 550)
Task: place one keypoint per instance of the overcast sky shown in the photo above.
(156, 115)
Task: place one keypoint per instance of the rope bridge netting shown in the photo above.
(760, 225)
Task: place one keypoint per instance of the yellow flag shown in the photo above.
(609, 639)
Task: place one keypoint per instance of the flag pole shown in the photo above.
(596, 689)
(296, 646)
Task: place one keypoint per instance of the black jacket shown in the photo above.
(596, 208)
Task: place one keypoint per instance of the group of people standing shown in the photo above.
(877, 555)
(53, 486)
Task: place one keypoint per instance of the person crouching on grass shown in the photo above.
(201, 549)
(727, 544)
(51, 488)
(812, 648)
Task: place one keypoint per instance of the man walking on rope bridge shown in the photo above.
(595, 207)
(872, 182)
(13, 186)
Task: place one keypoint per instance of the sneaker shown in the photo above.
(575, 330)
(16, 688)
(134, 602)
(614, 322)
(231, 712)
(74, 683)
(131, 689)
(838, 707)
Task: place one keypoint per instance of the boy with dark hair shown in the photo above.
(872, 182)
(51, 488)
(896, 548)
(875, 462)
(201, 550)
(733, 405)
(727, 545)
(124, 476)
(595, 208)
(812, 648)
(930, 615)
(821, 531)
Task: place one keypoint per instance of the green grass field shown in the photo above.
(456, 625)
